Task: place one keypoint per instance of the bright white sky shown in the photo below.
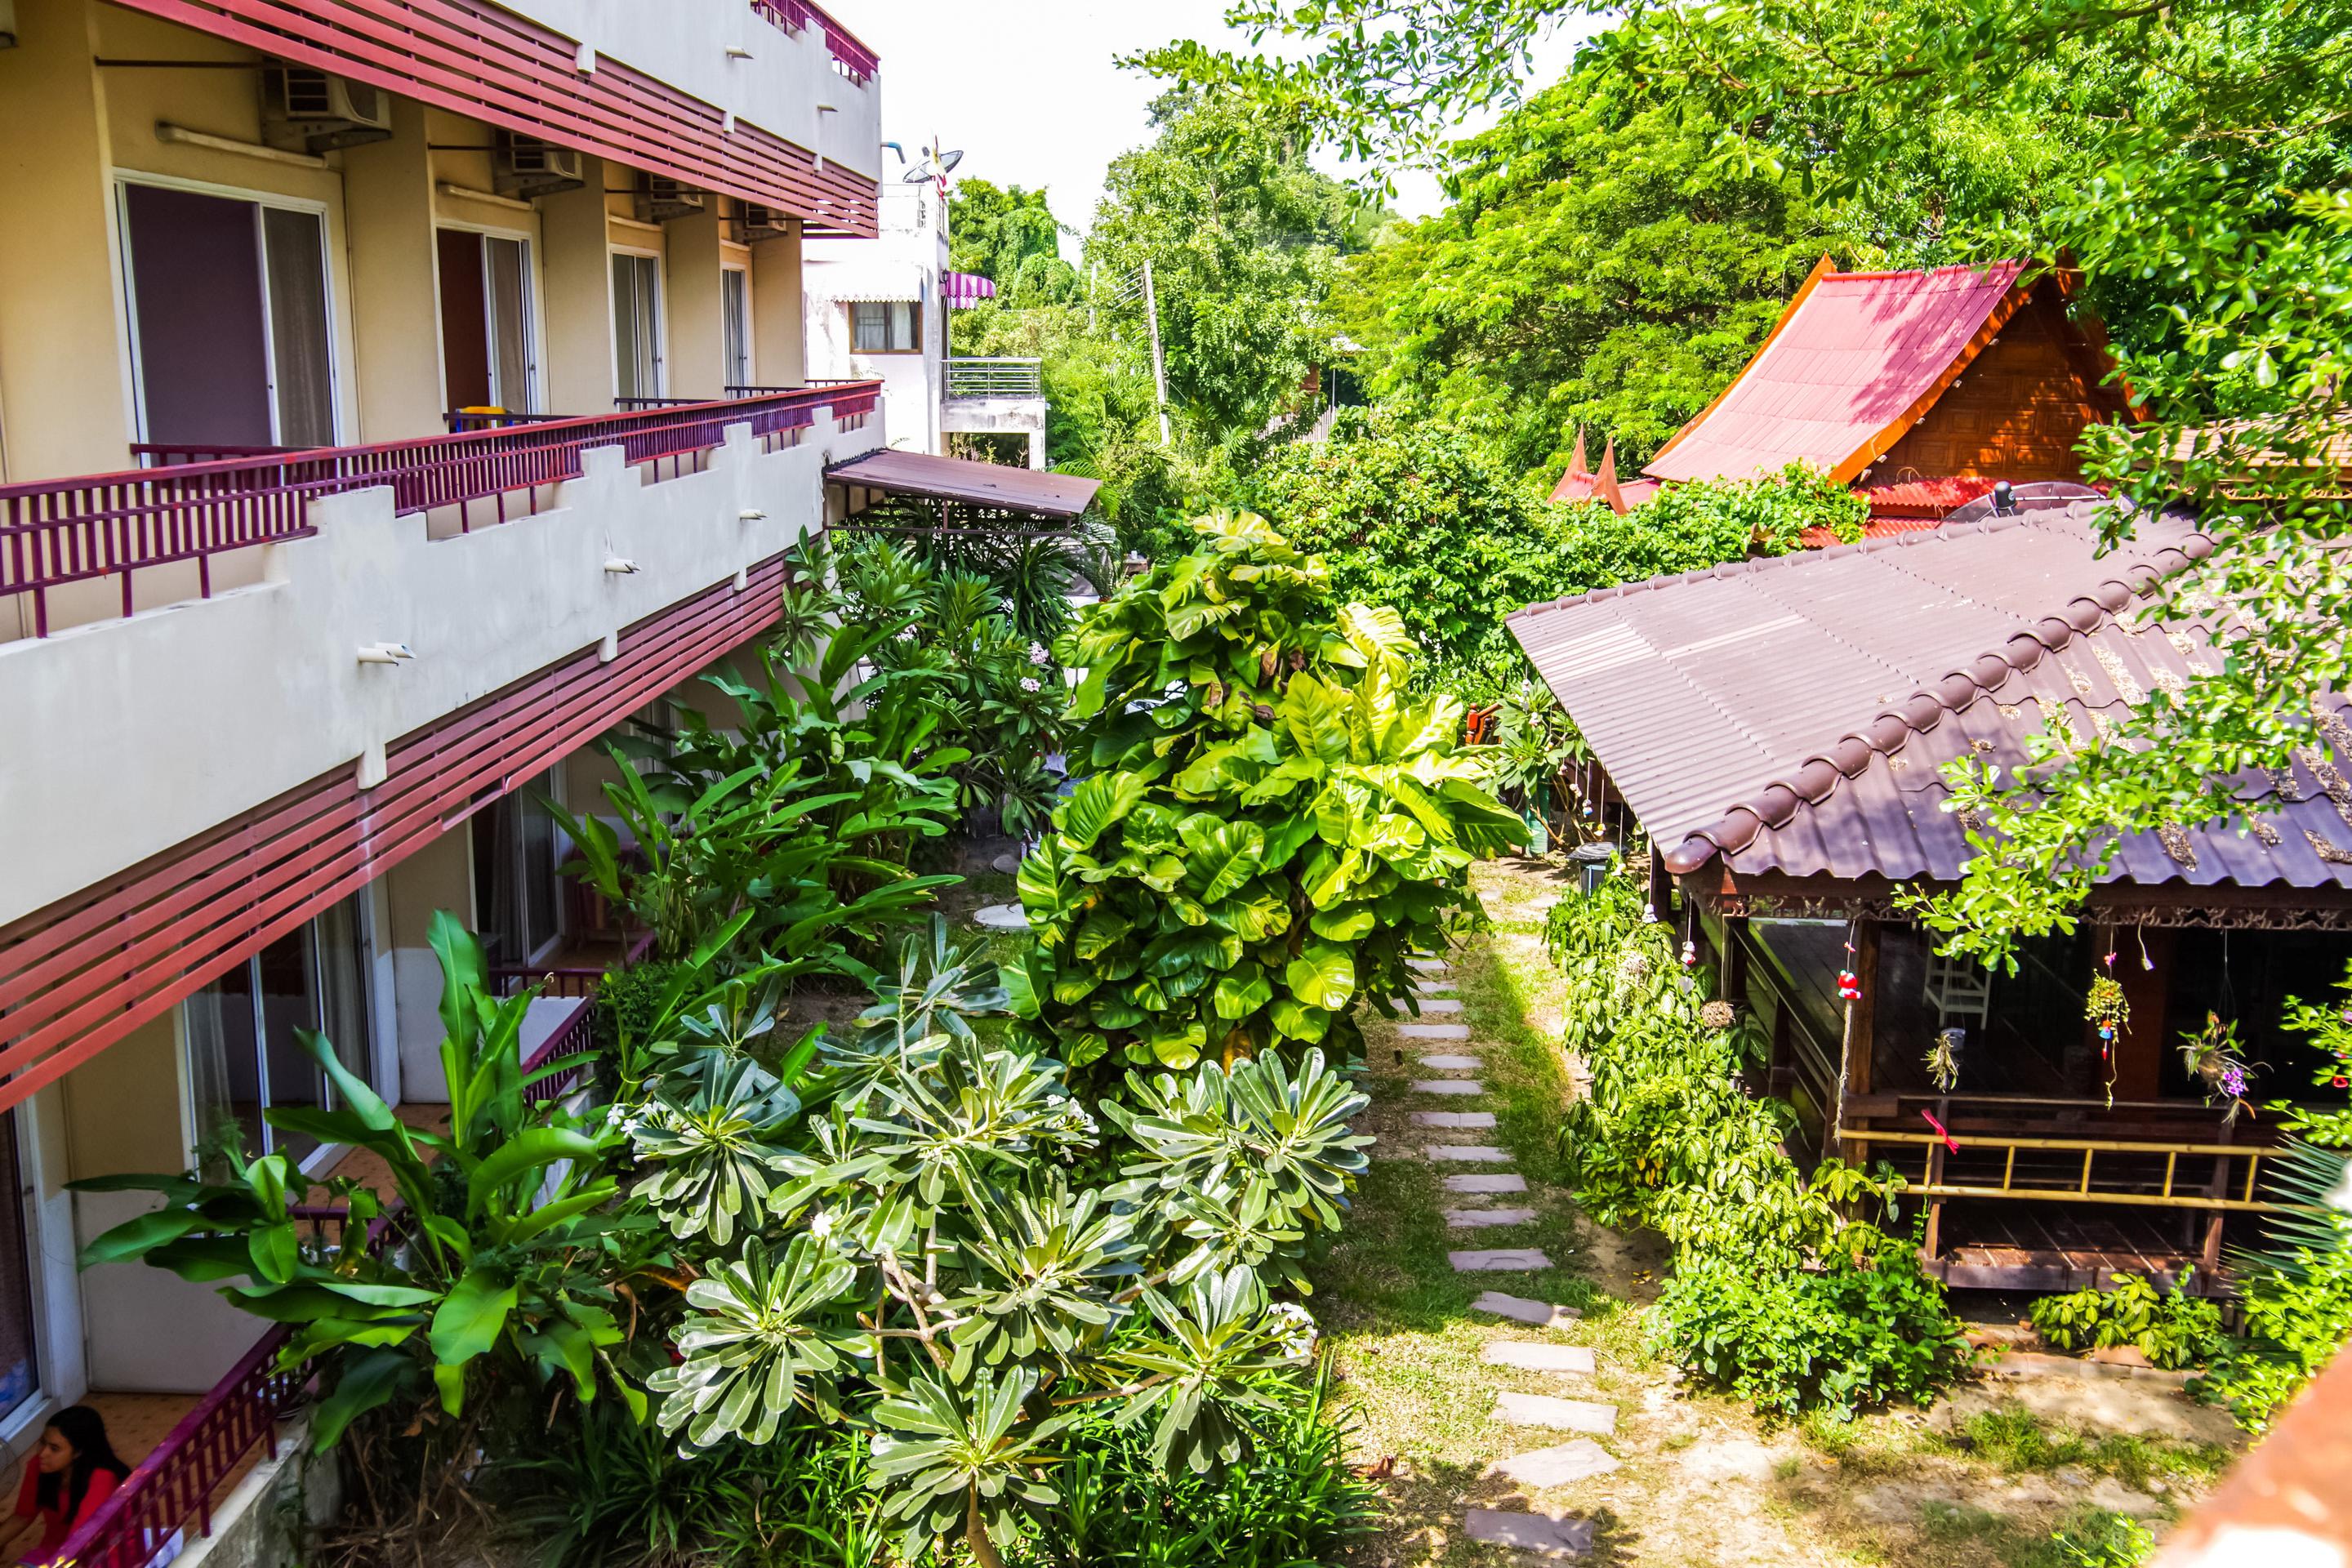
(1030, 92)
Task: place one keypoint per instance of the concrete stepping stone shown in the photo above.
(1449, 1085)
(1474, 1220)
(1520, 1310)
(1467, 1121)
(1579, 1459)
(1508, 1181)
(1565, 1415)
(1434, 1004)
(1001, 917)
(1501, 1260)
(1451, 1062)
(1431, 965)
(1467, 1153)
(1559, 1536)
(1435, 1031)
(1433, 988)
(1538, 1358)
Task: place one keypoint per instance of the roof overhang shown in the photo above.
(993, 487)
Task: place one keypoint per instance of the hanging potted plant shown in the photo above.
(1944, 1059)
(2217, 1061)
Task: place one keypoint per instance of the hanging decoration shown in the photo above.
(1944, 1059)
(1690, 954)
(1942, 1131)
(2107, 1007)
(1849, 982)
(2216, 1059)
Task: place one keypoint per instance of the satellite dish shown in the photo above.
(948, 160)
(920, 174)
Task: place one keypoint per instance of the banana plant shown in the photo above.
(493, 1265)
(1272, 826)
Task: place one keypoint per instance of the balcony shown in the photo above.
(974, 377)
(269, 592)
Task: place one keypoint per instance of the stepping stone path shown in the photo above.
(1551, 1535)
(1001, 917)
(1566, 1415)
(1555, 1535)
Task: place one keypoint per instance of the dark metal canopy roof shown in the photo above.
(1790, 715)
(1029, 491)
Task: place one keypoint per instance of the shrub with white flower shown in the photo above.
(1029, 683)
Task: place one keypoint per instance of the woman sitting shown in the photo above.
(69, 1477)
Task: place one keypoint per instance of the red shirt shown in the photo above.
(55, 1526)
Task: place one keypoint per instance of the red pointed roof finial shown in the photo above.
(1577, 483)
(1605, 485)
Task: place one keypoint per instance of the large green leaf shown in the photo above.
(535, 1149)
(472, 1315)
(1222, 858)
(364, 1384)
(1237, 997)
(1323, 975)
(1097, 806)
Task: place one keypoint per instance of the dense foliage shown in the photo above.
(1008, 236)
(2203, 156)
(1404, 511)
(2297, 1291)
(1268, 824)
(2172, 1330)
(1778, 1295)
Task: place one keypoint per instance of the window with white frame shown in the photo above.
(886, 327)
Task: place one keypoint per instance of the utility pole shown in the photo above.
(1090, 299)
(1159, 366)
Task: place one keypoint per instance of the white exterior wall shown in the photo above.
(905, 263)
(178, 719)
(788, 85)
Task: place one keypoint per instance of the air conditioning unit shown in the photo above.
(754, 221)
(527, 166)
(306, 110)
(664, 200)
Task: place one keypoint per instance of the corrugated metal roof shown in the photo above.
(1034, 491)
(1852, 356)
(1791, 714)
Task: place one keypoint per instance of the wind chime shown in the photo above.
(2107, 1007)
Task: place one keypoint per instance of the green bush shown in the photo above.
(1778, 1294)
(2171, 1331)
(2098, 1539)
(1851, 1333)
(1267, 826)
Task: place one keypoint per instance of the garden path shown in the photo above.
(1440, 1369)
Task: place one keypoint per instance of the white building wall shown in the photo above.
(178, 719)
(905, 262)
(787, 84)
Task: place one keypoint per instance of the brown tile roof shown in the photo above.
(1791, 714)
(1034, 491)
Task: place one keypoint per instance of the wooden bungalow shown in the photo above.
(1778, 727)
(1920, 390)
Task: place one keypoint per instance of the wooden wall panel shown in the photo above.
(2015, 413)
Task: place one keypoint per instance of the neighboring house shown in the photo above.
(1777, 726)
(878, 309)
(291, 643)
(1920, 390)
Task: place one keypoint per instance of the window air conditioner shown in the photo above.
(527, 166)
(308, 111)
(664, 200)
(754, 221)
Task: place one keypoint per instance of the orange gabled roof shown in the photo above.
(1854, 361)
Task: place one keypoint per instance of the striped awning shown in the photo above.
(965, 289)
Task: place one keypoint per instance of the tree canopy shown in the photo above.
(2204, 197)
(1009, 236)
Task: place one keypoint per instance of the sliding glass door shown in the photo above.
(229, 303)
(485, 321)
(636, 325)
(735, 306)
(244, 1052)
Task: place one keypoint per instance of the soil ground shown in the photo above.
(1984, 1479)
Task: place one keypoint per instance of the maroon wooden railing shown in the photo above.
(850, 57)
(57, 532)
(173, 1485)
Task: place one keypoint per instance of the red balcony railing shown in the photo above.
(850, 57)
(57, 532)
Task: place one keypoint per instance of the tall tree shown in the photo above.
(1009, 236)
(1243, 237)
(2209, 200)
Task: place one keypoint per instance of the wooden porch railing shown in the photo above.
(57, 532)
(173, 1485)
(2073, 1180)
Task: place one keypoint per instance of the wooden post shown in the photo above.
(2208, 1258)
(1854, 1075)
(2140, 1053)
